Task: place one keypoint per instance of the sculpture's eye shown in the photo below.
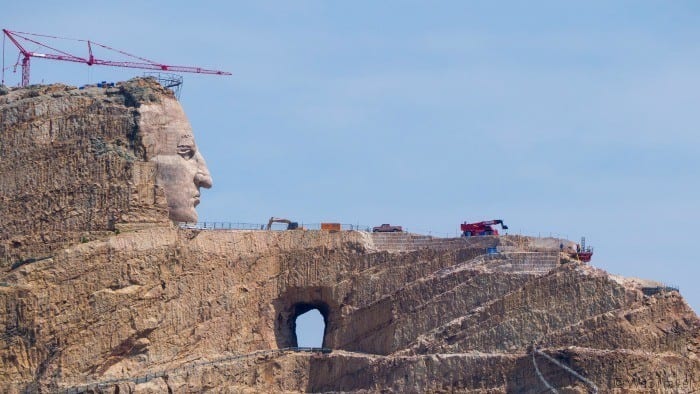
(186, 151)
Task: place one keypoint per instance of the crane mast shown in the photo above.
(138, 62)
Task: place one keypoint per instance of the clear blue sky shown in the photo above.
(564, 118)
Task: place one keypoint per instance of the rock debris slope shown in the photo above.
(100, 292)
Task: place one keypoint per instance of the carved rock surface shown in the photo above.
(73, 165)
(154, 307)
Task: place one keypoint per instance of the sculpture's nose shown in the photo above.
(202, 178)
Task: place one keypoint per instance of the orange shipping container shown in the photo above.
(330, 226)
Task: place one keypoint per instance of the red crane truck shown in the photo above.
(481, 228)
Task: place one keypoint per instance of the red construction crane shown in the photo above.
(142, 63)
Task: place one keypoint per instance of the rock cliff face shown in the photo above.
(158, 308)
(73, 164)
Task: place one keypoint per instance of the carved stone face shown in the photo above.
(180, 168)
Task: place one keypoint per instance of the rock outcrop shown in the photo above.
(101, 292)
(73, 165)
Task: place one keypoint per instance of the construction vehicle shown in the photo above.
(583, 252)
(481, 228)
(290, 225)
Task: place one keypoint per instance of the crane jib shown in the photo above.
(58, 54)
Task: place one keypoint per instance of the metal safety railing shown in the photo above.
(95, 385)
(223, 225)
(664, 288)
(262, 226)
(220, 226)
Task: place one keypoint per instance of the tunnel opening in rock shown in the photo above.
(296, 301)
(308, 324)
(309, 328)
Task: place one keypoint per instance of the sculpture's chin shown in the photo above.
(188, 215)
